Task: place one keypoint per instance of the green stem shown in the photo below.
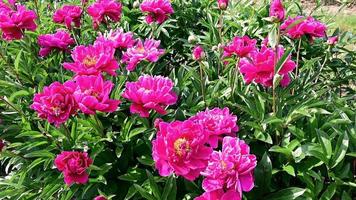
(67, 133)
(235, 77)
(202, 81)
(12, 106)
(221, 39)
(274, 96)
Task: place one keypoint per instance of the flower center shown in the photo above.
(56, 110)
(89, 61)
(141, 50)
(181, 146)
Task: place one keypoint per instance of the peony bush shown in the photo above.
(164, 100)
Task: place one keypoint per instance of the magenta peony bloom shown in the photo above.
(14, 23)
(217, 122)
(105, 8)
(118, 39)
(299, 26)
(100, 198)
(59, 40)
(2, 145)
(148, 51)
(333, 40)
(198, 53)
(180, 148)
(158, 10)
(73, 165)
(93, 60)
(219, 195)
(68, 15)
(240, 46)
(260, 67)
(56, 103)
(230, 170)
(4, 8)
(150, 93)
(92, 94)
(276, 10)
(223, 4)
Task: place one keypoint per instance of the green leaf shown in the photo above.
(143, 192)
(329, 192)
(286, 194)
(154, 186)
(169, 188)
(325, 143)
(282, 60)
(289, 169)
(341, 148)
(263, 173)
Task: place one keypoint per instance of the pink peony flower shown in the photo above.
(2, 145)
(100, 198)
(260, 67)
(56, 103)
(59, 40)
(92, 94)
(217, 122)
(230, 170)
(150, 93)
(276, 10)
(333, 40)
(219, 195)
(299, 26)
(118, 39)
(148, 51)
(4, 8)
(93, 60)
(180, 148)
(223, 4)
(105, 8)
(14, 23)
(158, 10)
(68, 15)
(73, 165)
(240, 46)
(198, 53)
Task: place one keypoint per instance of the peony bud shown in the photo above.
(192, 39)
(198, 53)
(333, 40)
(136, 4)
(214, 48)
(223, 4)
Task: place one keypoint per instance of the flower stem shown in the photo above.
(235, 77)
(221, 39)
(296, 69)
(274, 96)
(202, 81)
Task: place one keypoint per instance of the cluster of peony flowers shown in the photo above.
(186, 148)
(15, 20)
(258, 64)
(60, 40)
(157, 10)
(73, 164)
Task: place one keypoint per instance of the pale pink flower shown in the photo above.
(56, 103)
(102, 10)
(260, 67)
(276, 10)
(231, 169)
(68, 15)
(180, 148)
(118, 38)
(223, 4)
(59, 40)
(14, 23)
(147, 51)
(93, 60)
(93, 94)
(198, 53)
(333, 40)
(157, 10)
(150, 93)
(298, 26)
(217, 122)
(240, 46)
(73, 164)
